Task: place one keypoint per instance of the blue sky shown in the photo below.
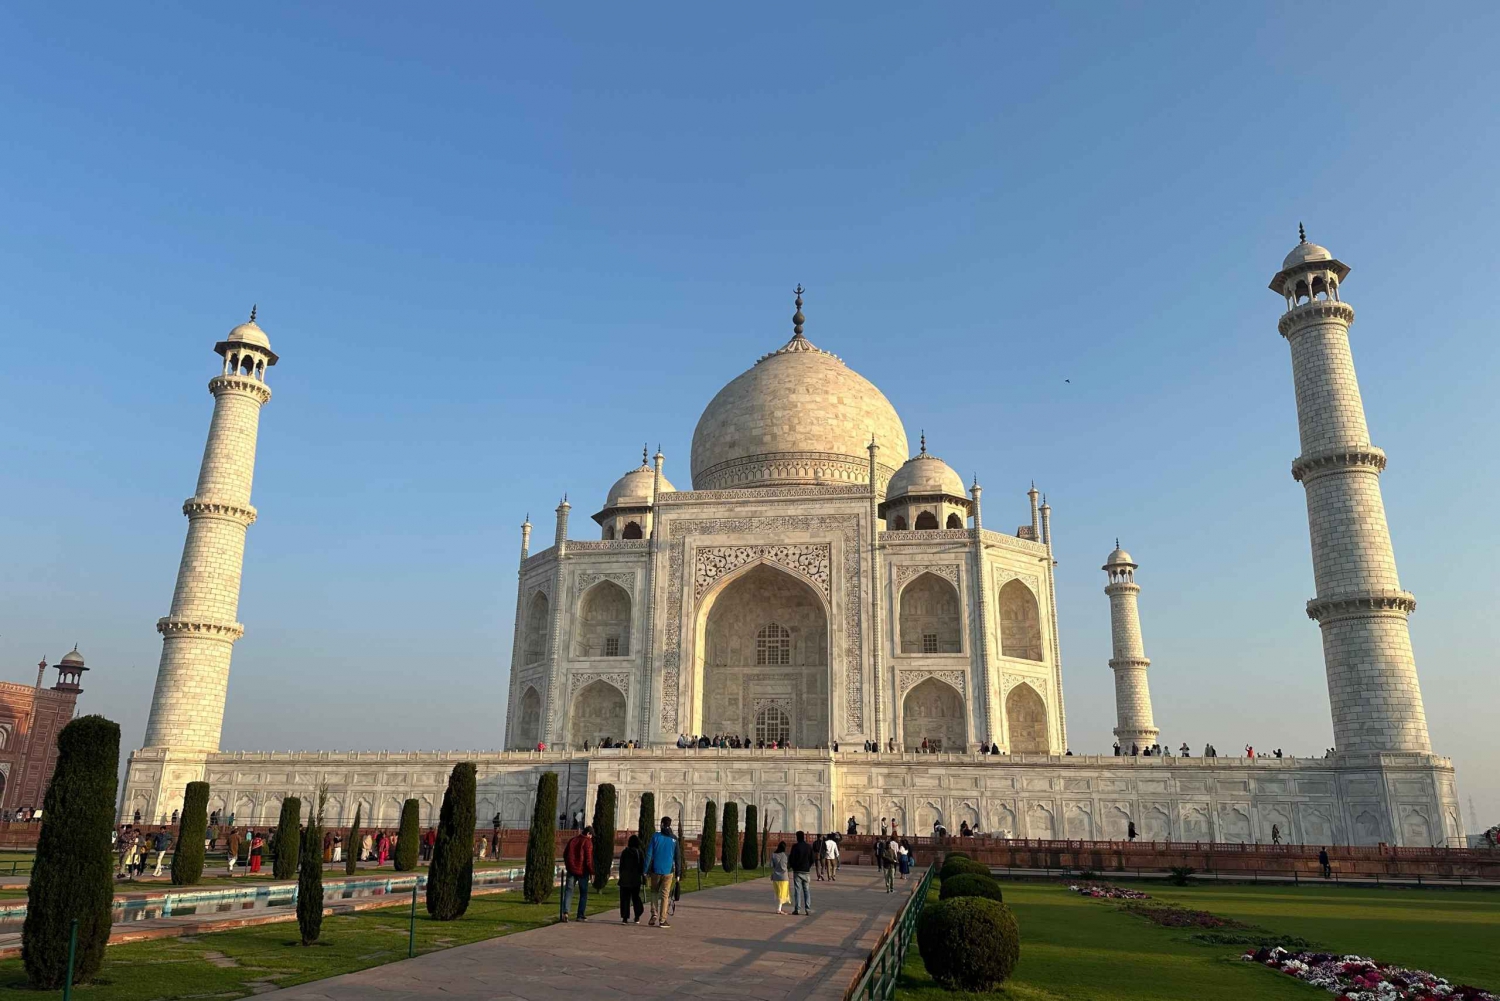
(498, 248)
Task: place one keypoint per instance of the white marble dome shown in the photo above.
(634, 488)
(799, 415)
(1304, 253)
(925, 475)
(1119, 558)
(249, 333)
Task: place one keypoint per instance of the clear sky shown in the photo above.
(499, 247)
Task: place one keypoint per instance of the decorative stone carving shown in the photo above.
(958, 679)
(1004, 575)
(906, 572)
(588, 580)
(620, 679)
(1040, 684)
(196, 507)
(762, 493)
(712, 563)
(601, 545)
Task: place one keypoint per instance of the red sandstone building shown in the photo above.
(30, 718)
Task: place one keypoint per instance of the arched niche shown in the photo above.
(930, 618)
(538, 624)
(603, 627)
(598, 712)
(1020, 622)
(954, 521)
(1026, 716)
(762, 640)
(529, 726)
(934, 711)
(926, 522)
(632, 530)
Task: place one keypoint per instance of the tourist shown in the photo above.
(174, 818)
(1117, 748)
(800, 861)
(661, 866)
(894, 831)
(578, 869)
(1249, 752)
(257, 847)
(1184, 750)
(232, 846)
(159, 844)
(366, 846)
(1275, 834)
(578, 820)
(382, 849)
(963, 829)
(428, 840)
(885, 859)
(853, 827)
(338, 848)
(883, 829)
(495, 845)
(1130, 830)
(137, 817)
(831, 857)
(1323, 863)
(632, 874)
(904, 861)
(780, 877)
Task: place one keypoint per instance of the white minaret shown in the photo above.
(1132, 694)
(1361, 608)
(198, 635)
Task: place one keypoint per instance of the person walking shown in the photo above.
(632, 874)
(905, 859)
(1275, 834)
(661, 866)
(382, 850)
(886, 862)
(232, 845)
(781, 877)
(578, 869)
(800, 861)
(1130, 830)
(1323, 863)
(831, 857)
(257, 848)
(160, 843)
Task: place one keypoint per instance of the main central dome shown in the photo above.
(799, 415)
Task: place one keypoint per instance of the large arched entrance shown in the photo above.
(934, 712)
(598, 712)
(529, 727)
(763, 658)
(603, 628)
(930, 621)
(1026, 714)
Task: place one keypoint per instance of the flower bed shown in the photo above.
(1354, 978)
(1107, 891)
(1172, 916)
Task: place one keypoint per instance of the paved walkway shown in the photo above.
(724, 943)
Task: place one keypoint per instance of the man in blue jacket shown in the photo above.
(661, 866)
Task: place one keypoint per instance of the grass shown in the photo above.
(1081, 949)
(233, 964)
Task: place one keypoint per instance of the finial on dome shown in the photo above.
(797, 318)
(252, 313)
(1301, 233)
(924, 443)
(644, 456)
(1117, 542)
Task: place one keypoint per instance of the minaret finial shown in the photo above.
(1117, 542)
(924, 442)
(252, 313)
(1301, 233)
(645, 454)
(797, 318)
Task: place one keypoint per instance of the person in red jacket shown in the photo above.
(578, 867)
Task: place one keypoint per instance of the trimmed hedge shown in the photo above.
(962, 866)
(73, 876)
(604, 833)
(731, 854)
(970, 884)
(288, 839)
(969, 943)
(409, 838)
(351, 843)
(450, 875)
(950, 855)
(192, 828)
(648, 823)
(749, 855)
(541, 843)
(708, 841)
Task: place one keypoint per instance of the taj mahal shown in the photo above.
(827, 588)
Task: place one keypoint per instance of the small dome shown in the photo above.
(1119, 558)
(925, 475)
(72, 658)
(1304, 253)
(634, 488)
(249, 333)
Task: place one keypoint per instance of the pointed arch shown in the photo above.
(954, 521)
(603, 624)
(529, 727)
(598, 712)
(1020, 622)
(1026, 717)
(926, 522)
(538, 625)
(930, 618)
(632, 530)
(934, 711)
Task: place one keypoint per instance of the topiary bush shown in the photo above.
(961, 867)
(950, 855)
(708, 841)
(541, 843)
(970, 884)
(731, 854)
(288, 837)
(73, 875)
(646, 823)
(969, 943)
(749, 856)
(310, 874)
(450, 875)
(409, 838)
(604, 833)
(351, 843)
(192, 828)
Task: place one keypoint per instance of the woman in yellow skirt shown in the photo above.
(781, 877)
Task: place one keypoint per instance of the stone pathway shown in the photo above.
(723, 943)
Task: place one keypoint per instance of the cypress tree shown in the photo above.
(749, 856)
(731, 836)
(646, 826)
(708, 841)
(541, 843)
(192, 828)
(450, 876)
(310, 874)
(73, 875)
(409, 839)
(288, 835)
(604, 833)
(351, 844)
(765, 837)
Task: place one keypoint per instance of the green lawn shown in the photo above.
(232, 964)
(1080, 949)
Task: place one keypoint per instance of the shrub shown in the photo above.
(288, 836)
(192, 828)
(541, 843)
(708, 841)
(1181, 875)
(950, 855)
(749, 857)
(647, 822)
(409, 838)
(604, 833)
(73, 875)
(310, 874)
(450, 875)
(731, 859)
(351, 844)
(970, 884)
(969, 943)
(961, 867)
